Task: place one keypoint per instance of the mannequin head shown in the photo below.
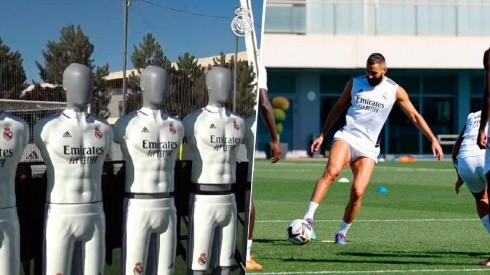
(154, 85)
(219, 82)
(78, 83)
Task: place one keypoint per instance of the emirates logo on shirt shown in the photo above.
(172, 129)
(7, 133)
(98, 134)
(235, 125)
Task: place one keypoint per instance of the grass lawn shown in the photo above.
(419, 226)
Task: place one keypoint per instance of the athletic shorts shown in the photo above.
(356, 149)
(150, 238)
(74, 239)
(470, 169)
(9, 241)
(212, 231)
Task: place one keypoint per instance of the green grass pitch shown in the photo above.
(419, 226)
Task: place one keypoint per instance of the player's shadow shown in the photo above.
(395, 258)
(277, 242)
(413, 254)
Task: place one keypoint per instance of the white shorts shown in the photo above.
(9, 241)
(470, 169)
(74, 239)
(356, 149)
(150, 238)
(213, 227)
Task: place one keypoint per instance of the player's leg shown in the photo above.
(470, 169)
(362, 168)
(9, 241)
(339, 155)
(250, 263)
(168, 244)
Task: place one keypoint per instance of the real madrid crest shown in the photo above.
(171, 129)
(241, 25)
(7, 133)
(98, 134)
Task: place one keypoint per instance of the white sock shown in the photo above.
(486, 222)
(249, 248)
(310, 211)
(344, 227)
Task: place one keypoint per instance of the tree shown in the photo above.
(73, 47)
(102, 94)
(13, 76)
(148, 53)
(188, 86)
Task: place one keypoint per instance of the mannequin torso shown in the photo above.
(150, 141)
(14, 139)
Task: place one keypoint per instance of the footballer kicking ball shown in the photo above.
(299, 231)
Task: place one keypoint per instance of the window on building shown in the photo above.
(286, 17)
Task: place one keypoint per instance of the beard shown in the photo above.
(374, 81)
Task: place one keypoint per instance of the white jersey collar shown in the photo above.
(215, 109)
(151, 113)
(69, 113)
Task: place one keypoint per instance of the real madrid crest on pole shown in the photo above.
(242, 24)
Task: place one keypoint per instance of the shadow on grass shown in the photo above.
(273, 242)
(397, 258)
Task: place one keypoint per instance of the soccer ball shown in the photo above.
(299, 231)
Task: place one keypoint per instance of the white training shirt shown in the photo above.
(262, 79)
(13, 141)
(214, 135)
(469, 147)
(369, 110)
(74, 147)
(150, 141)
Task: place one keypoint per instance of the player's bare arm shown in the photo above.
(459, 182)
(419, 122)
(485, 108)
(333, 115)
(268, 116)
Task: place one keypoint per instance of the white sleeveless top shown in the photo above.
(150, 141)
(214, 136)
(13, 140)
(369, 110)
(74, 147)
(468, 146)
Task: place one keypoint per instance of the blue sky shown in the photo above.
(201, 27)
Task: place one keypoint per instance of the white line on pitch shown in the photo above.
(378, 271)
(392, 220)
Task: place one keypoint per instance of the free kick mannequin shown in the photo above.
(214, 135)
(13, 141)
(74, 146)
(150, 141)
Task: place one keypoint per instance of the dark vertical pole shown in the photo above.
(125, 53)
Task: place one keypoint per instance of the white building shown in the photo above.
(434, 49)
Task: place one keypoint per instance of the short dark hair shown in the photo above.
(375, 58)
